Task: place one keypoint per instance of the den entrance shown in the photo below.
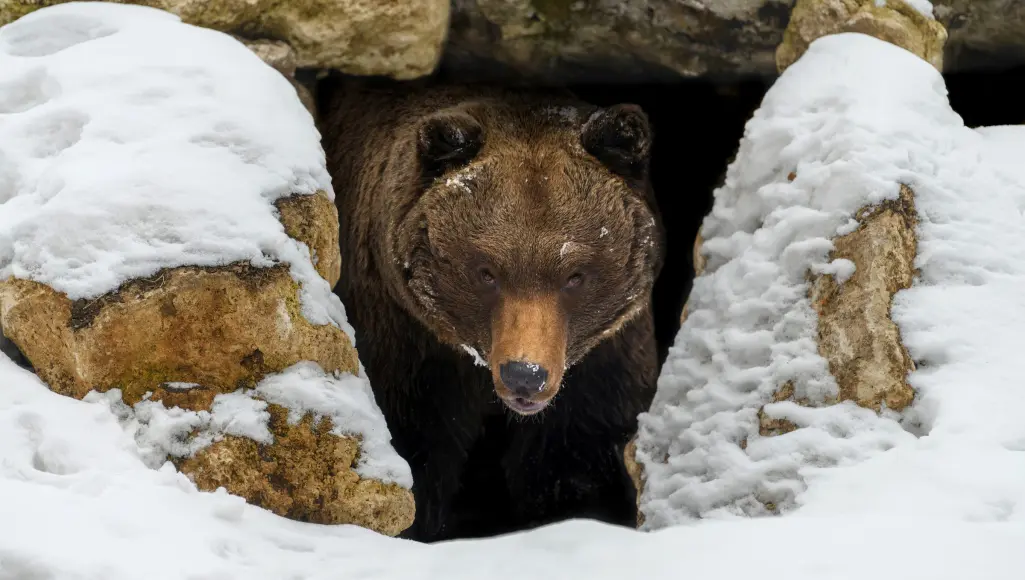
(698, 126)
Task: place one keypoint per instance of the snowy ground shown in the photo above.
(942, 498)
(77, 502)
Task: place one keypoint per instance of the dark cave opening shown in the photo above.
(988, 97)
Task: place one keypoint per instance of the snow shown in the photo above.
(349, 402)
(132, 142)
(477, 359)
(853, 119)
(73, 482)
(936, 493)
(923, 6)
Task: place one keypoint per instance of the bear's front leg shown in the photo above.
(433, 424)
(568, 462)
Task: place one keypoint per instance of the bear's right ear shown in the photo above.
(447, 140)
(620, 137)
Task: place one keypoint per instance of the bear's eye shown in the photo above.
(486, 277)
(574, 281)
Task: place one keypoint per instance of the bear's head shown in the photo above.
(530, 235)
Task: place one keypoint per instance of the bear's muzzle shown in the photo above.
(528, 351)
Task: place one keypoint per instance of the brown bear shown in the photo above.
(499, 249)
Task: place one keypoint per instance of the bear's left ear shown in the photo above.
(447, 140)
(619, 137)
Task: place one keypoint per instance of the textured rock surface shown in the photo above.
(368, 37)
(614, 41)
(636, 472)
(560, 40)
(856, 334)
(223, 328)
(894, 22)
(313, 220)
(698, 260)
(983, 33)
(307, 474)
(216, 329)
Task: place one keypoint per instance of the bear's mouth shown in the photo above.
(524, 406)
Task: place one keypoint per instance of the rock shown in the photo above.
(895, 22)
(188, 335)
(650, 40)
(984, 34)
(307, 474)
(789, 361)
(613, 41)
(197, 305)
(636, 472)
(856, 334)
(698, 261)
(402, 40)
(313, 220)
(223, 328)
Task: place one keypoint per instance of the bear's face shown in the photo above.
(530, 238)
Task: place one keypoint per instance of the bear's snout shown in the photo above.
(526, 380)
(528, 351)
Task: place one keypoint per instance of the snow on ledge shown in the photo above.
(853, 118)
(132, 142)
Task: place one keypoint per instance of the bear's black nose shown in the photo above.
(524, 379)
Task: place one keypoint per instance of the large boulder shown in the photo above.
(168, 245)
(367, 37)
(648, 40)
(788, 361)
(895, 21)
(613, 41)
(984, 34)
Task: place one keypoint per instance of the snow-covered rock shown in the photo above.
(366, 37)
(908, 24)
(168, 238)
(856, 129)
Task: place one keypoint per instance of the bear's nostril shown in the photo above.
(524, 379)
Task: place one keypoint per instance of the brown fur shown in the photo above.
(466, 215)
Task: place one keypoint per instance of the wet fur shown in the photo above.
(478, 468)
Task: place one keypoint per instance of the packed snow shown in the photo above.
(935, 494)
(853, 119)
(78, 502)
(132, 142)
(923, 6)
